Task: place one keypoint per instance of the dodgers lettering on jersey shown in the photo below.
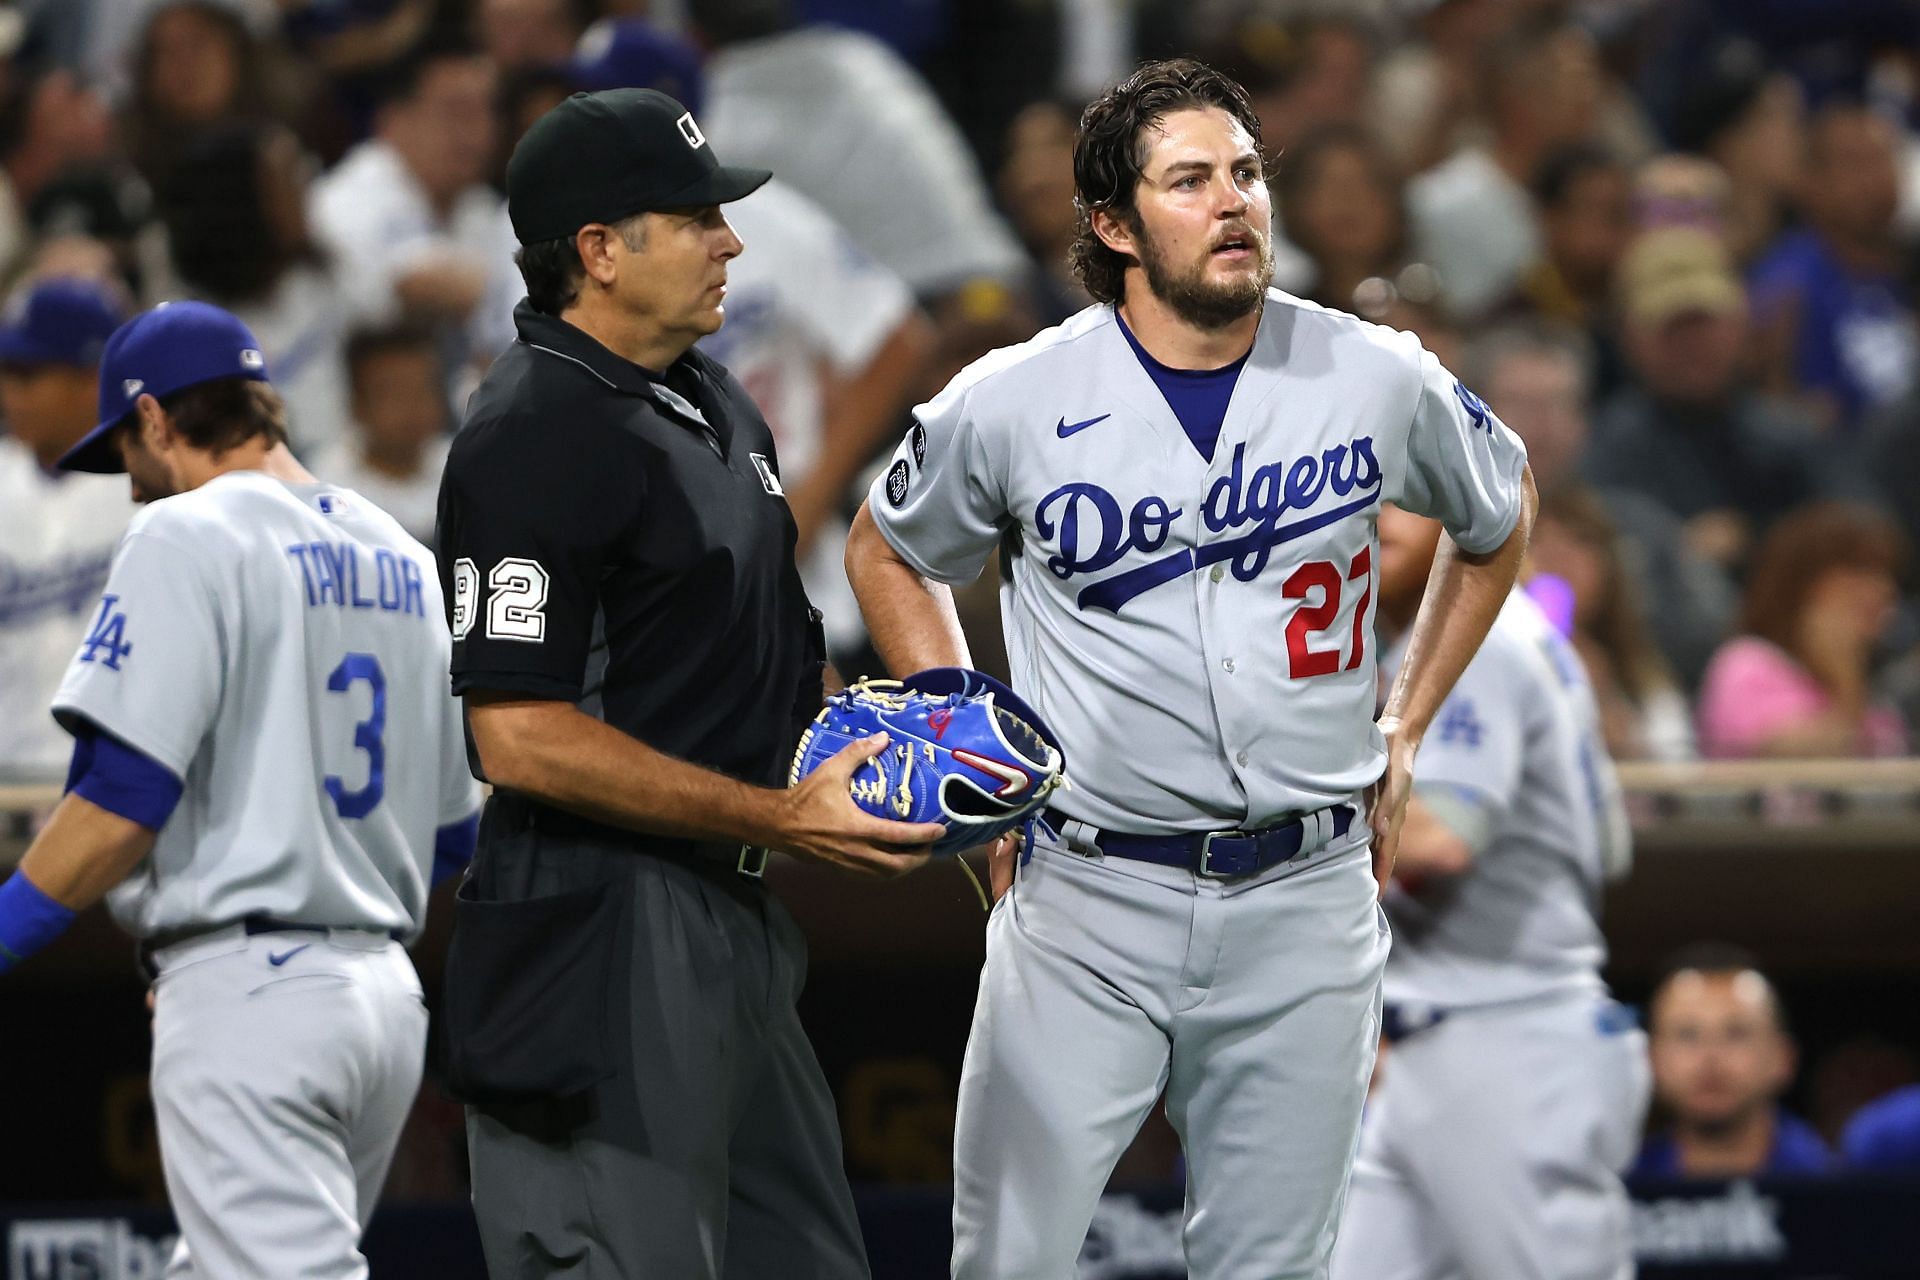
(1518, 738)
(279, 648)
(1198, 632)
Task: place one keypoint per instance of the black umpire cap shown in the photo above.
(601, 157)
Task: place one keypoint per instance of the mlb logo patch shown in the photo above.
(768, 480)
(251, 359)
(691, 131)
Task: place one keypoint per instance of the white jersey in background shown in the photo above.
(1517, 745)
(804, 305)
(1514, 1089)
(57, 534)
(282, 650)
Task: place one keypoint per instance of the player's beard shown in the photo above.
(1203, 303)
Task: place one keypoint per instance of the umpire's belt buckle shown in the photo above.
(753, 861)
(1241, 858)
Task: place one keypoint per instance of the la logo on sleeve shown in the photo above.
(768, 480)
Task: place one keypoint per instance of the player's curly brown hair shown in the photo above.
(1109, 150)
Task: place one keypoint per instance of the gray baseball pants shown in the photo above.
(284, 1065)
(1254, 1004)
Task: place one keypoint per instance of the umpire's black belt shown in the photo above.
(1221, 855)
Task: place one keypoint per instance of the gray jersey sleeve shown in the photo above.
(1463, 464)
(149, 670)
(942, 498)
(1476, 747)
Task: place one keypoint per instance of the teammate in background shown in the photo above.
(1722, 1056)
(57, 531)
(1514, 1089)
(267, 776)
(1184, 479)
(395, 447)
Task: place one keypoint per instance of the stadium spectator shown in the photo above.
(1884, 1135)
(1427, 90)
(1473, 215)
(1536, 376)
(1339, 202)
(1799, 679)
(197, 64)
(1722, 1057)
(1689, 430)
(1835, 320)
(1584, 196)
(1750, 120)
(397, 445)
(234, 208)
(853, 127)
(426, 238)
(1643, 713)
(1035, 186)
(1302, 76)
(522, 34)
(57, 530)
(49, 124)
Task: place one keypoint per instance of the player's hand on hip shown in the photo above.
(1002, 856)
(821, 823)
(1387, 807)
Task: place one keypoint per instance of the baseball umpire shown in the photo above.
(638, 658)
(267, 772)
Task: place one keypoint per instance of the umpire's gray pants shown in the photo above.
(714, 1150)
(1254, 1004)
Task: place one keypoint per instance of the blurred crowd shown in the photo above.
(1671, 242)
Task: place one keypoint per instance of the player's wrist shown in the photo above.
(29, 919)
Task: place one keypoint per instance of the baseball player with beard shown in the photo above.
(1183, 481)
(1514, 1087)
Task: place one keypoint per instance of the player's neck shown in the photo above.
(1731, 1151)
(1177, 342)
(255, 454)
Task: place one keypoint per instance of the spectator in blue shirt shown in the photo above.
(1835, 321)
(1884, 1135)
(1722, 1057)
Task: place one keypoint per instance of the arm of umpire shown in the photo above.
(558, 754)
(1464, 594)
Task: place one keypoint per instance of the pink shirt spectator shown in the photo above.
(1754, 689)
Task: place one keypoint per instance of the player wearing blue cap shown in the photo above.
(267, 773)
(57, 531)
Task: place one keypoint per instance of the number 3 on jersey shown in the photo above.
(1322, 576)
(366, 736)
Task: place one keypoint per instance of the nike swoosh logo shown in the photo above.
(277, 960)
(1066, 428)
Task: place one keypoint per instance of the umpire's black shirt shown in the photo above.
(618, 539)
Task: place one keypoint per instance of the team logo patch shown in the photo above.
(1477, 412)
(897, 483)
(768, 480)
(691, 131)
(917, 441)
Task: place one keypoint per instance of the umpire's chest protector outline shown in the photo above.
(1198, 631)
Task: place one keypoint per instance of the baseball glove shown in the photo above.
(962, 749)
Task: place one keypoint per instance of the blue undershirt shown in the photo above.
(1198, 397)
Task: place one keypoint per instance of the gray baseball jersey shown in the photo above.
(1199, 634)
(1517, 745)
(1501, 1120)
(282, 650)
